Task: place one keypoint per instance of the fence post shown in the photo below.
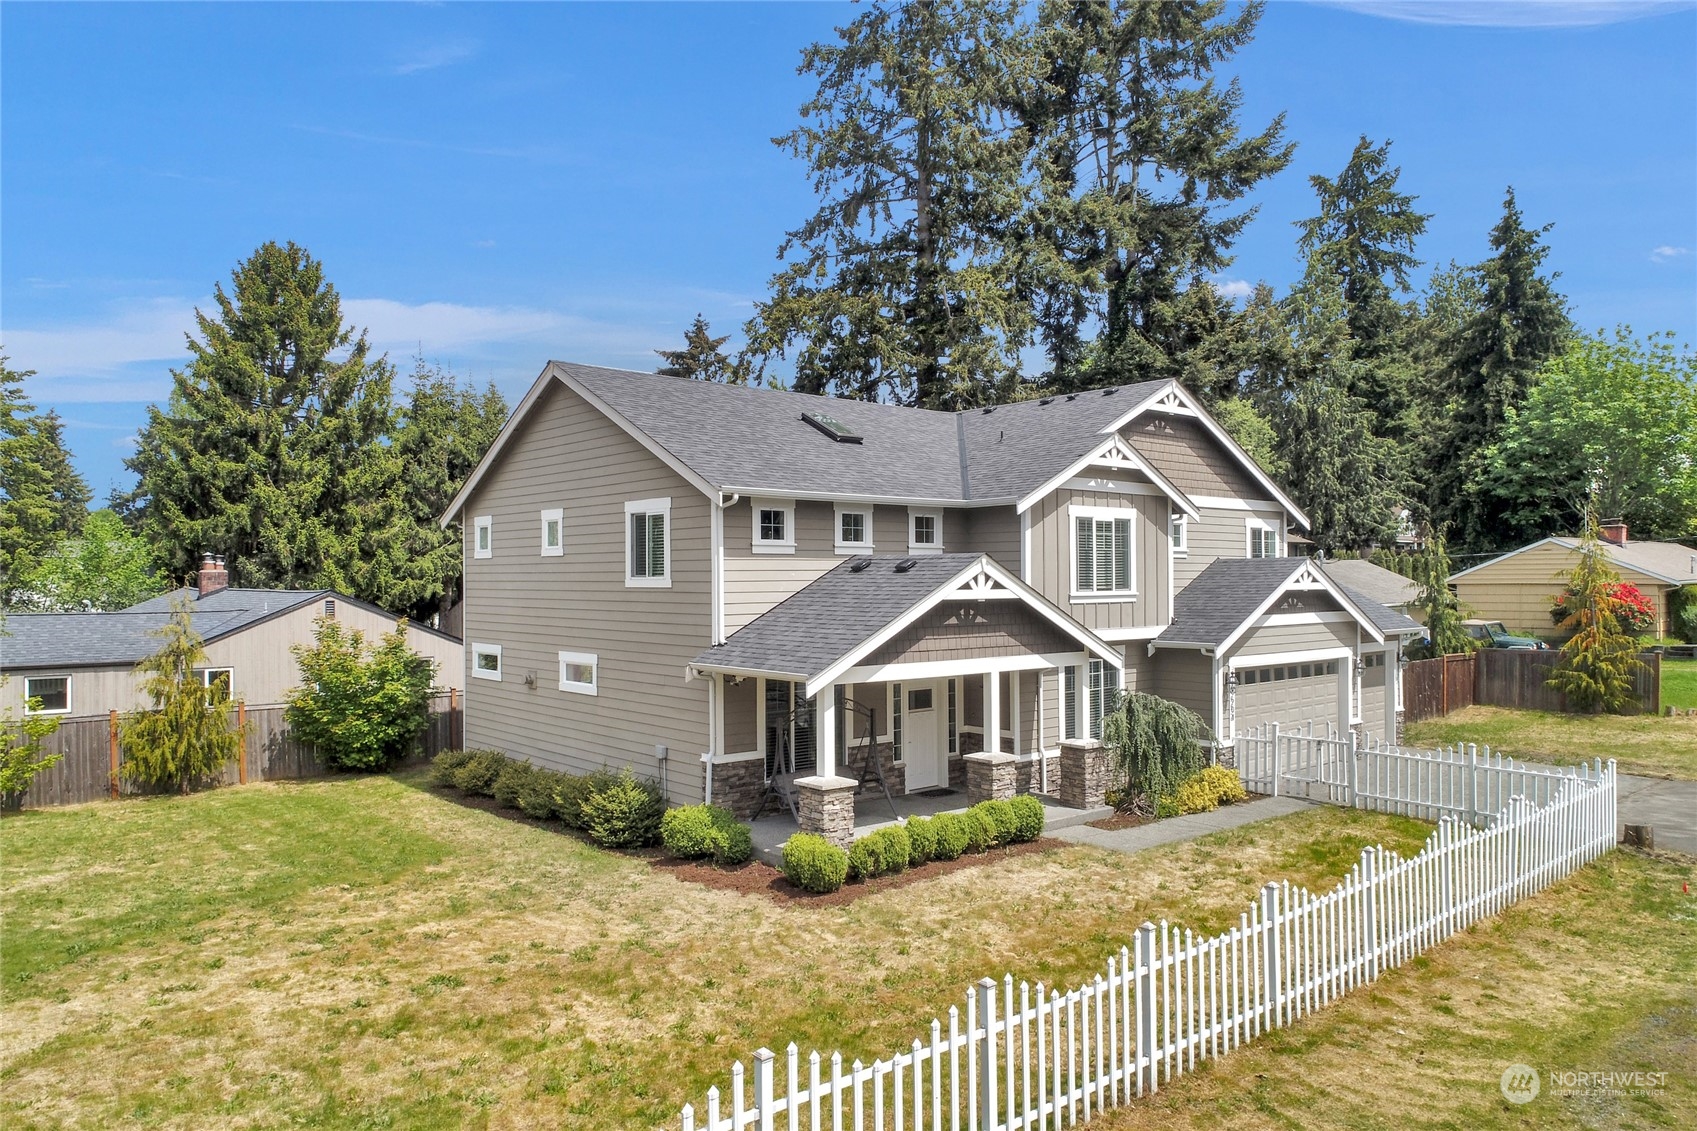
(987, 1055)
(112, 748)
(1349, 775)
(1473, 784)
(1273, 967)
(241, 725)
(1145, 1009)
(453, 718)
(1276, 761)
(1369, 916)
(763, 1106)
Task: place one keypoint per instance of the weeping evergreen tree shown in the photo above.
(1156, 743)
(186, 738)
(1600, 659)
(1430, 571)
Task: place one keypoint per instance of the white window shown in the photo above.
(486, 662)
(924, 531)
(648, 545)
(854, 530)
(1180, 534)
(553, 533)
(774, 526)
(221, 682)
(53, 691)
(1102, 553)
(1263, 540)
(1083, 708)
(577, 672)
(483, 536)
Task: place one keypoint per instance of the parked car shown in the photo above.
(1493, 634)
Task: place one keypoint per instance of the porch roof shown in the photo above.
(847, 613)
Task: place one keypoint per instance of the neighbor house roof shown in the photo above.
(1215, 608)
(1375, 581)
(1667, 562)
(733, 438)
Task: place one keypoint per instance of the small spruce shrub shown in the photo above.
(511, 782)
(572, 790)
(696, 831)
(478, 773)
(814, 864)
(922, 836)
(1001, 816)
(536, 799)
(1028, 818)
(445, 765)
(624, 813)
(952, 836)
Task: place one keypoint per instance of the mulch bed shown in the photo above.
(1122, 819)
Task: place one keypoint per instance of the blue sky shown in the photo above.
(499, 185)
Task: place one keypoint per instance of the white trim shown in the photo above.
(68, 677)
(866, 513)
(557, 516)
(1222, 503)
(785, 507)
(716, 523)
(578, 687)
(1130, 515)
(662, 506)
(481, 525)
(1254, 523)
(484, 673)
(230, 693)
(1025, 546)
(919, 548)
(906, 672)
(1125, 635)
(1279, 659)
(1114, 452)
(1273, 620)
(739, 756)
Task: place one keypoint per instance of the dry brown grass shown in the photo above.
(1640, 744)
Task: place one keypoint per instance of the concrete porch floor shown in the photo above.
(872, 812)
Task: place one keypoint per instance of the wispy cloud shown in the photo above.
(1234, 289)
(1665, 252)
(431, 56)
(546, 155)
(1513, 13)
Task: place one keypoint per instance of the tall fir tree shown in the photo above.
(272, 445)
(703, 358)
(42, 497)
(1520, 322)
(1140, 157)
(900, 286)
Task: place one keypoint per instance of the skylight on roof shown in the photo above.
(832, 427)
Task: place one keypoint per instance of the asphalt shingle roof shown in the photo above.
(736, 437)
(40, 640)
(1214, 605)
(1663, 559)
(824, 621)
(1382, 585)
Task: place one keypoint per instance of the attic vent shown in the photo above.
(330, 610)
(1072, 396)
(832, 427)
(988, 411)
(860, 565)
(905, 564)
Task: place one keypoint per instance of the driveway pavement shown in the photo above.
(1667, 805)
(1175, 829)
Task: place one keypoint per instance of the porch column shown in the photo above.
(825, 732)
(993, 712)
(826, 801)
(1014, 710)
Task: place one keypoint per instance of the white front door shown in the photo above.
(924, 751)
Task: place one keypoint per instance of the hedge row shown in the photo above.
(615, 810)
(814, 864)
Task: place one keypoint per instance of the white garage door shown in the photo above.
(1292, 695)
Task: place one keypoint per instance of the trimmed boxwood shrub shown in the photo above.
(445, 765)
(1028, 818)
(881, 853)
(696, 831)
(922, 834)
(1000, 814)
(952, 836)
(511, 782)
(814, 864)
(624, 813)
(981, 831)
(478, 773)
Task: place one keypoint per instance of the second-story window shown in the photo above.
(553, 536)
(924, 532)
(854, 530)
(648, 550)
(483, 537)
(1180, 534)
(1263, 540)
(1102, 553)
(774, 526)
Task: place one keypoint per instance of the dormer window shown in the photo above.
(774, 526)
(924, 531)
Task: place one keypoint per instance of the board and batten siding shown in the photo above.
(1051, 567)
(1187, 678)
(566, 455)
(1376, 709)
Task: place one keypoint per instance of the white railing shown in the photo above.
(1034, 1058)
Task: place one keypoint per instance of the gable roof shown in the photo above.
(1375, 581)
(845, 614)
(1223, 601)
(752, 441)
(1667, 562)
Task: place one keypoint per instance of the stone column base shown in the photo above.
(1084, 775)
(739, 786)
(827, 808)
(1226, 756)
(990, 777)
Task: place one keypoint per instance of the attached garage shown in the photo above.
(1293, 696)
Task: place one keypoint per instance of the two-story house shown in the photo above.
(722, 586)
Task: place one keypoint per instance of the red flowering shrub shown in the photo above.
(1631, 607)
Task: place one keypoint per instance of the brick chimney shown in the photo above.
(1614, 532)
(212, 576)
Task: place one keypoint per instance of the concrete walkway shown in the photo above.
(1175, 829)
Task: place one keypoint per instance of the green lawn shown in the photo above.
(365, 953)
(1640, 744)
(1679, 683)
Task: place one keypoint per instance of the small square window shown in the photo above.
(220, 682)
(483, 537)
(919, 699)
(774, 526)
(925, 532)
(486, 662)
(54, 693)
(578, 672)
(553, 542)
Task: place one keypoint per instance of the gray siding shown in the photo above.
(1051, 567)
(973, 630)
(1195, 463)
(995, 531)
(1186, 678)
(567, 455)
(1375, 701)
(1271, 639)
(742, 715)
(1222, 533)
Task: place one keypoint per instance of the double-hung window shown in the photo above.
(553, 533)
(1087, 694)
(1102, 553)
(1263, 540)
(1180, 534)
(774, 526)
(648, 550)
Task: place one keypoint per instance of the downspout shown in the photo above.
(718, 551)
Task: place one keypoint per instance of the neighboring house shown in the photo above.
(1518, 587)
(716, 585)
(1390, 589)
(84, 663)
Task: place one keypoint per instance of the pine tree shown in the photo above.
(271, 447)
(185, 738)
(1520, 323)
(703, 358)
(1139, 155)
(1600, 658)
(42, 498)
(900, 286)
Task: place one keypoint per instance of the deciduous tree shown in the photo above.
(104, 567)
(362, 707)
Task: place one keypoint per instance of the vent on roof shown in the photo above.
(988, 411)
(1047, 400)
(1109, 392)
(905, 564)
(1072, 396)
(832, 427)
(860, 565)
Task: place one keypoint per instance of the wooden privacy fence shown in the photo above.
(91, 762)
(1041, 1058)
(1505, 677)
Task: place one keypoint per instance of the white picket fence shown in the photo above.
(1462, 781)
(1039, 1057)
